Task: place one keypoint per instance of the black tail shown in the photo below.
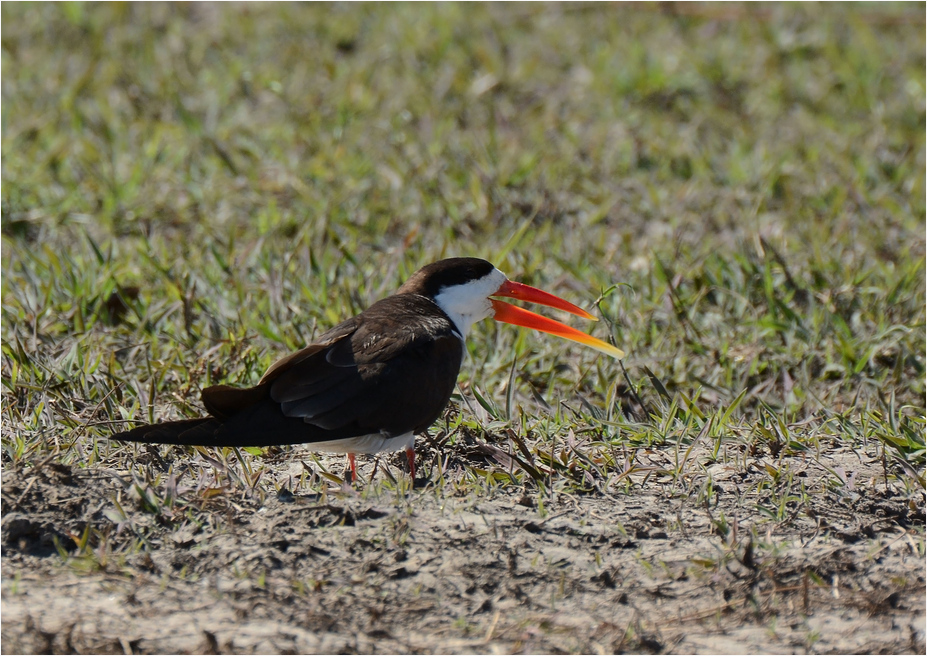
(245, 417)
(188, 431)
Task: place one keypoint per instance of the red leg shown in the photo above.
(410, 454)
(353, 467)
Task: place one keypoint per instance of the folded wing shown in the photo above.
(355, 380)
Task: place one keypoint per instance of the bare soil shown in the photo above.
(443, 569)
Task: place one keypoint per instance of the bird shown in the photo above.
(374, 381)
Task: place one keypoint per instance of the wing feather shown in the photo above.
(325, 341)
(362, 378)
(390, 370)
(311, 405)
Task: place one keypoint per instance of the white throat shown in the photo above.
(469, 303)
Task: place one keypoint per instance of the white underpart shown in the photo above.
(373, 443)
(466, 304)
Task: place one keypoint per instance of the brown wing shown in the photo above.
(223, 401)
(394, 373)
(327, 339)
(392, 369)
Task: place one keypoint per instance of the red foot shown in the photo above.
(410, 454)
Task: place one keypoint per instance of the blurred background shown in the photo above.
(740, 186)
(191, 191)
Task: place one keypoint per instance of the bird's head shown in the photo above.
(463, 288)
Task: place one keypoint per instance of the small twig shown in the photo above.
(492, 627)
(84, 425)
(25, 492)
(889, 544)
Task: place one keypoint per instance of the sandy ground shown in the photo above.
(446, 570)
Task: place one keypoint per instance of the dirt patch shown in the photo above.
(653, 570)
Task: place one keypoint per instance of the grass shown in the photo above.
(190, 192)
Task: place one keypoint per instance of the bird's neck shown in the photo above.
(468, 303)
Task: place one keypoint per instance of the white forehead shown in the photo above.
(468, 303)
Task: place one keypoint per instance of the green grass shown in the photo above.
(190, 192)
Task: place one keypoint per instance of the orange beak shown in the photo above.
(520, 317)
